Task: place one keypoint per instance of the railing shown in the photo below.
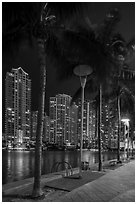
(68, 168)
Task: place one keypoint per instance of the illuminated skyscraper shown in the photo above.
(88, 122)
(18, 106)
(85, 120)
(109, 127)
(92, 138)
(53, 113)
(61, 119)
(73, 124)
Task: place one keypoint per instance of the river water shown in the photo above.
(18, 165)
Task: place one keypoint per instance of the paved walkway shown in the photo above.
(22, 190)
(110, 185)
(115, 186)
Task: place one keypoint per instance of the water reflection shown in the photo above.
(19, 165)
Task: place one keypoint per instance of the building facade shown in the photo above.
(89, 120)
(62, 119)
(93, 139)
(18, 106)
(73, 124)
(53, 113)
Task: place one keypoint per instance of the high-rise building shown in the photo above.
(73, 124)
(53, 113)
(109, 125)
(18, 106)
(105, 125)
(60, 116)
(92, 125)
(88, 123)
(85, 120)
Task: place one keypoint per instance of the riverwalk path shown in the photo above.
(113, 184)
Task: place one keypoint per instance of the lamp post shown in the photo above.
(126, 123)
(82, 71)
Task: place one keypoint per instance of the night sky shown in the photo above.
(27, 57)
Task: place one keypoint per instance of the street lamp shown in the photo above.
(82, 71)
(126, 123)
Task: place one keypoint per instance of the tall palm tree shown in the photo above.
(28, 21)
(105, 53)
(93, 47)
(123, 96)
(19, 21)
(126, 103)
(123, 84)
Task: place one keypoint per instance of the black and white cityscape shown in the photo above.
(63, 125)
(68, 96)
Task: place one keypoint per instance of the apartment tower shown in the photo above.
(60, 119)
(17, 106)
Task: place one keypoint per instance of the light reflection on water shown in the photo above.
(17, 165)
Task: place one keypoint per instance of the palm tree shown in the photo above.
(101, 50)
(125, 106)
(20, 20)
(123, 83)
(96, 43)
(123, 95)
(26, 21)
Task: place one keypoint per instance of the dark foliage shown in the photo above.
(65, 10)
(20, 20)
(89, 46)
(105, 31)
(18, 23)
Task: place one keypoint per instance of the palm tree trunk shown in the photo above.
(37, 191)
(128, 143)
(99, 127)
(132, 152)
(119, 129)
(96, 123)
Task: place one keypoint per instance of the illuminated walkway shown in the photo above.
(115, 186)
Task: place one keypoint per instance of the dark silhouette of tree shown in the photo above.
(93, 47)
(26, 22)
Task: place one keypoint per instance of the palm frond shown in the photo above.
(59, 60)
(81, 47)
(19, 14)
(18, 22)
(65, 10)
(130, 57)
(106, 29)
(85, 46)
(127, 102)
